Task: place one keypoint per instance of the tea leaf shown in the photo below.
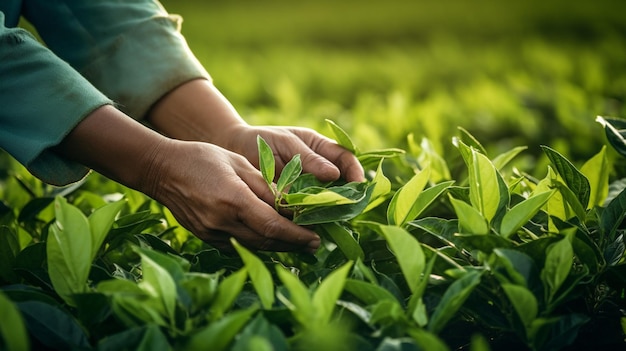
(227, 292)
(523, 301)
(259, 275)
(299, 301)
(408, 252)
(468, 139)
(367, 292)
(596, 170)
(615, 130)
(159, 284)
(503, 159)
(613, 215)
(382, 187)
(402, 202)
(559, 259)
(470, 220)
(100, 221)
(289, 174)
(426, 198)
(326, 295)
(267, 163)
(344, 240)
(453, 299)
(143, 338)
(326, 214)
(573, 178)
(317, 196)
(428, 157)
(220, 333)
(68, 250)
(483, 181)
(260, 335)
(521, 213)
(12, 329)
(427, 340)
(342, 137)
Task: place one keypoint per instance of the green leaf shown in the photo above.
(427, 340)
(426, 198)
(221, 333)
(143, 338)
(468, 139)
(68, 250)
(342, 137)
(613, 215)
(52, 326)
(227, 292)
(327, 293)
(259, 275)
(596, 170)
(408, 252)
(318, 196)
(402, 202)
(367, 292)
(9, 249)
(12, 330)
(289, 174)
(382, 187)
(428, 157)
(299, 301)
(260, 335)
(559, 259)
(483, 182)
(344, 239)
(267, 163)
(335, 213)
(615, 130)
(523, 301)
(100, 221)
(453, 299)
(471, 221)
(521, 213)
(573, 178)
(158, 283)
(503, 159)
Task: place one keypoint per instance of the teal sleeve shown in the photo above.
(131, 50)
(41, 99)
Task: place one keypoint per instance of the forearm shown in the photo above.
(196, 111)
(115, 145)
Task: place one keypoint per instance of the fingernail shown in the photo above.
(313, 245)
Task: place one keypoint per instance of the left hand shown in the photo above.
(320, 155)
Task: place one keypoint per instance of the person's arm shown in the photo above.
(135, 54)
(41, 99)
(214, 193)
(197, 111)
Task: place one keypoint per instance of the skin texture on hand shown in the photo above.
(213, 192)
(198, 111)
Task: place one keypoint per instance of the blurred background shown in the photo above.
(512, 73)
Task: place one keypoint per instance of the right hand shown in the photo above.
(216, 194)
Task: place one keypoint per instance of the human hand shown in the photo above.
(218, 194)
(320, 155)
(198, 111)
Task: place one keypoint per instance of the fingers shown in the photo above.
(325, 158)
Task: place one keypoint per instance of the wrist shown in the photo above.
(195, 111)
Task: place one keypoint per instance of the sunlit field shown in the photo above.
(493, 139)
(512, 73)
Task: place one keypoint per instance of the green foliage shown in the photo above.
(446, 245)
(404, 261)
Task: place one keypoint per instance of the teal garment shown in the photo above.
(97, 52)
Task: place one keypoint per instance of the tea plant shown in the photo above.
(411, 259)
